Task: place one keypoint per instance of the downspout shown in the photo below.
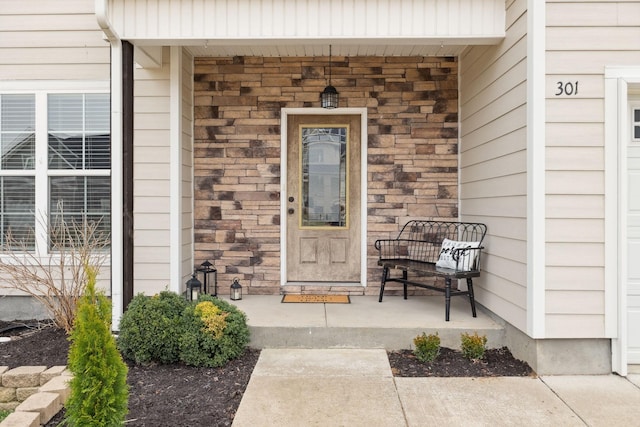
(117, 282)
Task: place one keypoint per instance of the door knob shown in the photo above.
(291, 198)
(291, 211)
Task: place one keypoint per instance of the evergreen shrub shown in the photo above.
(215, 332)
(151, 327)
(167, 329)
(473, 346)
(427, 347)
(99, 391)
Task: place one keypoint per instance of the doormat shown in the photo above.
(329, 299)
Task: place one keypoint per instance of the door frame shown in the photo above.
(284, 116)
(619, 83)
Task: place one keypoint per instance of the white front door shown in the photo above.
(633, 237)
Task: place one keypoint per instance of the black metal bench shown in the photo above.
(420, 248)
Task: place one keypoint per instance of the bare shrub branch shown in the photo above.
(58, 279)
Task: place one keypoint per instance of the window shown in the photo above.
(55, 165)
(636, 124)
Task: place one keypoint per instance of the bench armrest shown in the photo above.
(392, 248)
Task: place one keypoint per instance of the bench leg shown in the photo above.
(471, 297)
(447, 298)
(404, 277)
(385, 274)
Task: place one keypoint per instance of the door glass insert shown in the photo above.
(324, 163)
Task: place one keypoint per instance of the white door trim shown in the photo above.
(617, 86)
(284, 115)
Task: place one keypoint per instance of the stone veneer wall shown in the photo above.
(412, 107)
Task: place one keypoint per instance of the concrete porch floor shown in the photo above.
(364, 323)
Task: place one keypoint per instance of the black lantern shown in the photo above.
(329, 96)
(194, 287)
(236, 290)
(209, 282)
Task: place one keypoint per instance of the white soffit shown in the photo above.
(307, 27)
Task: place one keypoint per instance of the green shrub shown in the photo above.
(4, 414)
(473, 346)
(215, 332)
(167, 329)
(99, 391)
(427, 347)
(151, 327)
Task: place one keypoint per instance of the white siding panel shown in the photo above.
(589, 62)
(493, 162)
(151, 155)
(576, 254)
(27, 7)
(509, 164)
(575, 110)
(507, 206)
(153, 255)
(509, 132)
(152, 171)
(55, 72)
(575, 134)
(495, 187)
(575, 278)
(52, 55)
(51, 41)
(575, 158)
(575, 182)
(156, 104)
(153, 271)
(588, 14)
(629, 13)
(150, 238)
(149, 137)
(575, 206)
(516, 314)
(151, 204)
(575, 230)
(152, 221)
(587, 86)
(151, 178)
(574, 326)
(574, 302)
(591, 38)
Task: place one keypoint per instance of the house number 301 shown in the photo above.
(567, 88)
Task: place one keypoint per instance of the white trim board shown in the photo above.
(617, 86)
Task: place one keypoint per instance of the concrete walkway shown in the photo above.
(355, 387)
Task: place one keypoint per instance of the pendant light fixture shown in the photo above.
(329, 96)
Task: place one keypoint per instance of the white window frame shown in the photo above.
(41, 90)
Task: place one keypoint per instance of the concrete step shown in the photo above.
(364, 323)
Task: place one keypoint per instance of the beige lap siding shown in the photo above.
(412, 112)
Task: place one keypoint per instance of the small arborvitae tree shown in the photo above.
(99, 391)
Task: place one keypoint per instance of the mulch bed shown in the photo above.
(178, 395)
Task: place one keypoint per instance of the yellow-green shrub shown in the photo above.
(427, 347)
(213, 318)
(473, 346)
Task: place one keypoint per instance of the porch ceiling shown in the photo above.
(321, 48)
(314, 48)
